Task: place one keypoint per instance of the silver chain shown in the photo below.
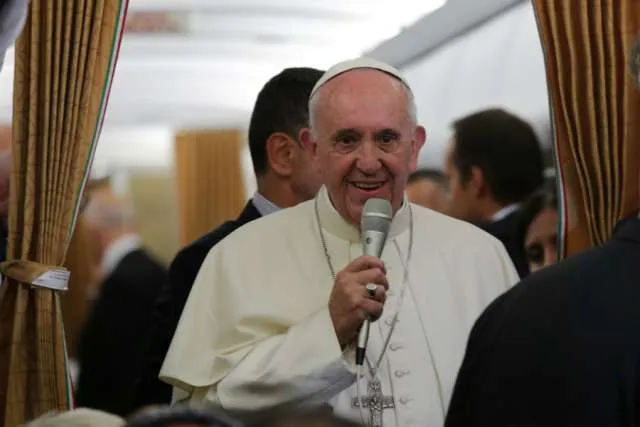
(405, 282)
(374, 369)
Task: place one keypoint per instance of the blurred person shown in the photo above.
(81, 417)
(494, 162)
(5, 174)
(306, 419)
(427, 188)
(13, 15)
(180, 416)
(274, 312)
(562, 347)
(110, 345)
(538, 228)
(286, 176)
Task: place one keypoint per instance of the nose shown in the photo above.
(368, 158)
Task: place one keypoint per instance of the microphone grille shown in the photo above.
(376, 215)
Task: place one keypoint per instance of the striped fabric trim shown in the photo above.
(115, 52)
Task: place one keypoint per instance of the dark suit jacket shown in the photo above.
(562, 348)
(110, 347)
(171, 302)
(506, 230)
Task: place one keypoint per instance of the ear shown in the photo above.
(308, 142)
(419, 138)
(280, 153)
(477, 182)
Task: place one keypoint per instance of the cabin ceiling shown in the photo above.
(187, 63)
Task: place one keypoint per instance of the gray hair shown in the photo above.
(413, 110)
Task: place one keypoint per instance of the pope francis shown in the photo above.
(276, 307)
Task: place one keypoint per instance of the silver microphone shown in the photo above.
(374, 225)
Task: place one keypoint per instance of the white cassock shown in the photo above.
(256, 330)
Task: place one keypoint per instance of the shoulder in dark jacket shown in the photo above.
(171, 302)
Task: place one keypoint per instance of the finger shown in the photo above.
(371, 308)
(373, 275)
(365, 262)
(381, 295)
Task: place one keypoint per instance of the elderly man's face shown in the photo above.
(365, 139)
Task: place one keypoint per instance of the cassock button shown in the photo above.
(399, 373)
(404, 400)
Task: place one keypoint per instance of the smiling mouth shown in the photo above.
(368, 186)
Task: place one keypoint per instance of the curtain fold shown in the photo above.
(64, 63)
(209, 180)
(594, 108)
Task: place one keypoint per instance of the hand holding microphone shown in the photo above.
(359, 292)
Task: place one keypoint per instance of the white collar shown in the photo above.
(264, 205)
(504, 212)
(335, 224)
(117, 250)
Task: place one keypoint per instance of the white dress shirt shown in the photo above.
(504, 212)
(264, 205)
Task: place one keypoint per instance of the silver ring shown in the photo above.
(371, 289)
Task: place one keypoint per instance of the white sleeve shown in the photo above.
(302, 367)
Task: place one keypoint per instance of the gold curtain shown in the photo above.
(595, 108)
(209, 180)
(64, 62)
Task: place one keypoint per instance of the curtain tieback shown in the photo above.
(36, 274)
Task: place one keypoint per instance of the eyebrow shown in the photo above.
(386, 132)
(349, 132)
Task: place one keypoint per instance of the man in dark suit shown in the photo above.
(561, 348)
(285, 176)
(110, 348)
(494, 162)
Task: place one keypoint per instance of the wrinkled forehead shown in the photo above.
(361, 96)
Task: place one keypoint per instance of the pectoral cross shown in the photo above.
(375, 401)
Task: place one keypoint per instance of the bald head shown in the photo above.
(107, 212)
(77, 418)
